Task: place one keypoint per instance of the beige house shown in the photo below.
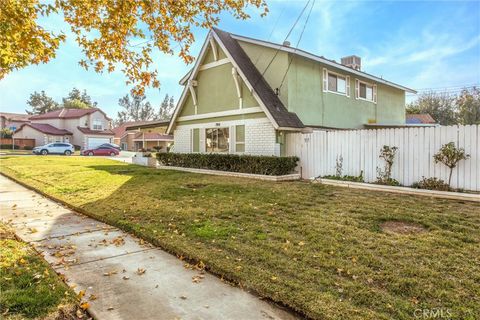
(13, 121)
(85, 128)
(143, 135)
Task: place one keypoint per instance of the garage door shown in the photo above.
(95, 142)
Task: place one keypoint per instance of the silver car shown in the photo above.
(55, 148)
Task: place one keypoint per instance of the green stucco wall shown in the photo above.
(216, 91)
(315, 107)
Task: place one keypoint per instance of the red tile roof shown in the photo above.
(96, 132)
(419, 118)
(120, 130)
(153, 136)
(66, 113)
(15, 116)
(45, 128)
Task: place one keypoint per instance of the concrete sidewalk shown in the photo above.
(123, 277)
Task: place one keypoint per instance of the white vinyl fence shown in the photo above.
(360, 149)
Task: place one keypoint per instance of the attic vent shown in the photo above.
(354, 62)
(286, 43)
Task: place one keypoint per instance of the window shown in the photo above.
(240, 138)
(97, 124)
(217, 140)
(365, 91)
(336, 83)
(13, 128)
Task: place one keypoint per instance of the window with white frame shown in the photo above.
(97, 124)
(217, 140)
(336, 83)
(365, 91)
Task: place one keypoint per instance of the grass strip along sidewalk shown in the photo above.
(30, 289)
(327, 252)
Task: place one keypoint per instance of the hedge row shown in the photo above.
(9, 146)
(267, 165)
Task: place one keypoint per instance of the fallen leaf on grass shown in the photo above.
(183, 297)
(108, 274)
(32, 230)
(140, 271)
(85, 305)
(125, 278)
(92, 297)
(110, 308)
(81, 294)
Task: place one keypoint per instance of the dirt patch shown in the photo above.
(195, 185)
(402, 227)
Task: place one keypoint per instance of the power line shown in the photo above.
(270, 35)
(452, 90)
(296, 47)
(278, 49)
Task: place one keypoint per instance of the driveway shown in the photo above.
(128, 278)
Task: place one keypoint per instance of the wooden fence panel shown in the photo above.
(319, 151)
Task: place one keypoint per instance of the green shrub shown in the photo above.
(358, 178)
(267, 165)
(9, 146)
(432, 184)
(27, 148)
(76, 147)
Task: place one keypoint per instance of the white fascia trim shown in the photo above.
(247, 83)
(322, 60)
(223, 124)
(233, 112)
(152, 140)
(214, 64)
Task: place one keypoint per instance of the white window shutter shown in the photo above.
(347, 87)
(325, 80)
(375, 93)
(357, 89)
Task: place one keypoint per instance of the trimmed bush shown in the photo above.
(76, 147)
(9, 146)
(267, 165)
(432, 184)
(27, 148)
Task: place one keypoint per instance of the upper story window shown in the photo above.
(336, 83)
(97, 124)
(365, 91)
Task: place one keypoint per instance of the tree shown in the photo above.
(78, 100)
(135, 109)
(166, 108)
(439, 105)
(6, 133)
(112, 34)
(450, 156)
(41, 103)
(468, 106)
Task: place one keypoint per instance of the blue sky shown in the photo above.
(425, 44)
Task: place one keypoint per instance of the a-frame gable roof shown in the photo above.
(261, 90)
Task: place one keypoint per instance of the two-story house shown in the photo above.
(86, 128)
(244, 95)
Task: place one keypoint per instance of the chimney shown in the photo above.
(354, 62)
(286, 43)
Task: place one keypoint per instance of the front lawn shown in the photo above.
(30, 289)
(319, 249)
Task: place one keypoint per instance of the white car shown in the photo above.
(55, 148)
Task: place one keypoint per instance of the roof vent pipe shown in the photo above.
(286, 43)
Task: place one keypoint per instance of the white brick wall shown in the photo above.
(182, 140)
(260, 137)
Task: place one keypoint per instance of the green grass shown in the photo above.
(30, 289)
(318, 249)
(16, 151)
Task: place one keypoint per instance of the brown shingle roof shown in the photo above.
(66, 113)
(45, 128)
(120, 130)
(96, 132)
(275, 107)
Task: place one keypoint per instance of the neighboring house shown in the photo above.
(422, 118)
(120, 130)
(13, 121)
(144, 135)
(86, 128)
(244, 95)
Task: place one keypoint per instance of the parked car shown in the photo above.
(55, 148)
(111, 145)
(101, 151)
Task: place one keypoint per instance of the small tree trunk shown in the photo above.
(450, 177)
